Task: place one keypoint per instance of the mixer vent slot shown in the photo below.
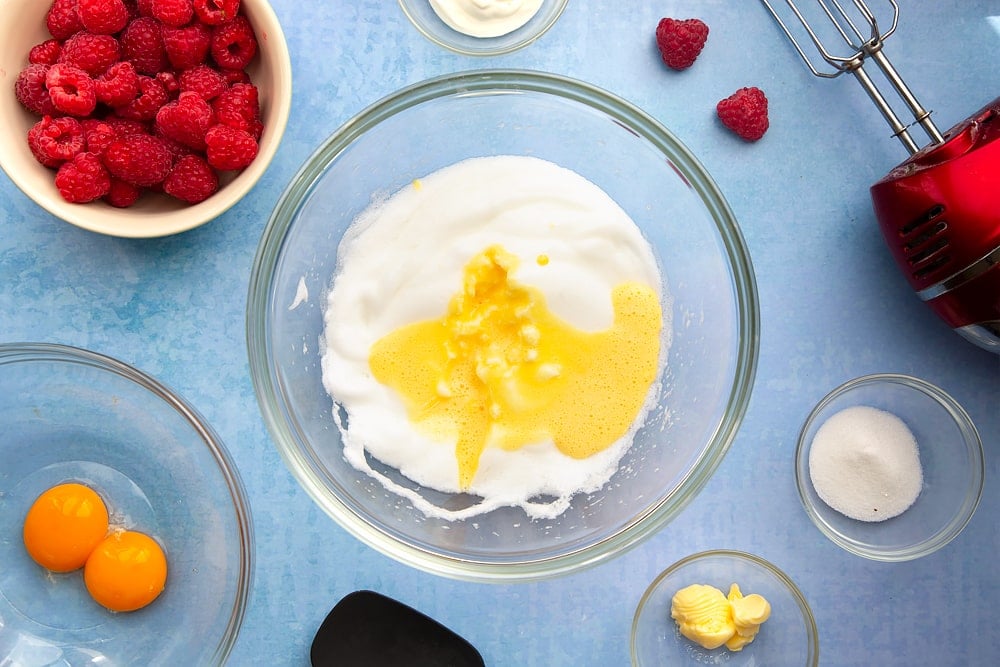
(925, 243)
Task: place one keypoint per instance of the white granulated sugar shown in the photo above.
(865, 464)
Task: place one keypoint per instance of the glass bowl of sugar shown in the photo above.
(889, 467)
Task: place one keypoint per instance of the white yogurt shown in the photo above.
(401, 262)
(485, 18)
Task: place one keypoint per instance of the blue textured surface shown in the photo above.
(833, 307)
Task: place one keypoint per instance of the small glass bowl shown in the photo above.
(951, 456)
(788, 638)
(426, 20)
(73, 415)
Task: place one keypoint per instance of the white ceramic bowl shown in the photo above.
(711, 363)
(951, 458)
(22, 25)
(431, 26)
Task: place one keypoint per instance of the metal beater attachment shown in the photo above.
(860, 29)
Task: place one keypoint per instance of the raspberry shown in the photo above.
(97, 135)
(235, 76)
(144, 7)
(171, 82)
(187, 46)
(118, 86)
(216, 12)
(83, 179)
(238, 107)
(62, 19)
(139, 159)
(233, 44)
(152, 96)
(126, 126)
(745, 113)
(191, 180)
(46, 53)
(204, 80)
(30, 90)
(186, 120)
(229, 148)
(71, 90)
(142, 44)
(55, 140)
(122, 194)
(176, 148)
(102, 17)
(680, 42)
(91, 53)
(174, 13)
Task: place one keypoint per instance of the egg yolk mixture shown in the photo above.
(500, 369)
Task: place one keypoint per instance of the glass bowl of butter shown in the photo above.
(502, 326)
(483, 27)
(724, 607)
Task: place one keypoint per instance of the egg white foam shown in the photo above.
(401, 262)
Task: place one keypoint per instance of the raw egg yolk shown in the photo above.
(64, 525)
(126, 571)
(500, 369)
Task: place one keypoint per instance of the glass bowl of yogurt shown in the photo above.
(724, 607)
(889, 467)
(502, 325)
(482, 27)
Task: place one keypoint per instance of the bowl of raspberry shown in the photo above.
(140, 118)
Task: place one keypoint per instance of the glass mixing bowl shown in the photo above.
(788, 638)
(650, 174)
(951, 460)
(73, 415)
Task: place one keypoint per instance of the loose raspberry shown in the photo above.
(92, 53)
(122, 194)
(216, 12)
(142, 44)
(97, 135)
(83, 179)
(680, 41)
(174, 13)
(229, 148)
(62, 19)
(46, 53)
(186, 120)
(171, 82)
(30, 90)
(72, 91)
(239, 107)
(102, 17)
(233, 44)
(144, 7)
(191, 180)
(118, 86)
(187, 46)
(176, 148)
(126, 126)
(55, 140)
(139, 159)
(152, 96)
(204, 80)
(745, 113)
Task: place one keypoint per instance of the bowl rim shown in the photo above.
(486, 50)
(970, 438)
(264, 374)
(183, 218)
(812, 631)
(29, 352)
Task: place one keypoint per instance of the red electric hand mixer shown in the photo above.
(939, 210)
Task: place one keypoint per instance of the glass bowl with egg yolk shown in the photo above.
(787, 638)
(115, 494)
(683, 244)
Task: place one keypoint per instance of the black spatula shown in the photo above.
(366, 628)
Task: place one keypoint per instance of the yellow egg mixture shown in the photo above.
(500, 369)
